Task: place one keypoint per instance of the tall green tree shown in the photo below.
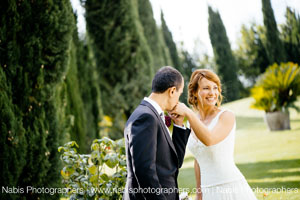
(82, 113)
(225, 61)
(159, 50)
(291, 35)
(170, 44)
(35, 38)
(251, 54)
(75, 106)
(274, 45)
(88, 83)
(188, 65)
(13, 144)
(175, 56)
(124, 59)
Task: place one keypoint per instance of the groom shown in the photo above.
(153, 158)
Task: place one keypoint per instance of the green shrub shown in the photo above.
(278, 88)
(85, 176)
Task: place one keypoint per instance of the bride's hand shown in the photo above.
(177, 119)
(180, 109)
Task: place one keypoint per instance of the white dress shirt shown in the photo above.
(160, 112)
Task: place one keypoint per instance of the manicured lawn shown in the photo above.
(267, 159)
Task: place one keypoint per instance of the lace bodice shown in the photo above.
(216, 162)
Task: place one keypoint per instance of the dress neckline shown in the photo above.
(210, 123)
(221, 110)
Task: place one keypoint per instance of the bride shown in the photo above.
(212, 141)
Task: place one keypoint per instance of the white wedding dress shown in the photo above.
(220, 178)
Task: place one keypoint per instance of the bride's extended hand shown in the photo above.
(177, 119)
(180, 109)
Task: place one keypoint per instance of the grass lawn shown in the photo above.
(267, 159)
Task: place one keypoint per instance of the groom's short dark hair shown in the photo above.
(165, 78)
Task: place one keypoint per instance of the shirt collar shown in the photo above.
(154, 104)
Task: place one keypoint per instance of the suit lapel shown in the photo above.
(165, 131)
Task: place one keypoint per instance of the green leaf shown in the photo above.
(60, 148)
(108, 142)
(277, 87)
(111, 160)
(71, 170)
(74, 144)
(104, 177)
(122, 151)
(95, 146)
(120, 143)
(94, 179)
(93, 169)
(122, 162)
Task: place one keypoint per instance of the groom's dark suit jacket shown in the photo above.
(153, 158)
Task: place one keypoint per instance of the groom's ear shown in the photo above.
(172, 91)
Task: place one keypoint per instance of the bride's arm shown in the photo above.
(207, 137)
(198, 180)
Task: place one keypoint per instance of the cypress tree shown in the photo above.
(75, 104)
(274, 46)
(124, 60)
(188, 63)
(225, 61)
(170, 44)
(291, 35)
(35, 38)
(83, 107)
(160, 53)
(176, 60)
(88, 84)
(188, 66)
(13, 144)
(12, 139)
(166, 53)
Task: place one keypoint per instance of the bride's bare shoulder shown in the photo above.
(227, 117)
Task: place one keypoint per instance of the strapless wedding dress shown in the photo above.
(220, 178)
